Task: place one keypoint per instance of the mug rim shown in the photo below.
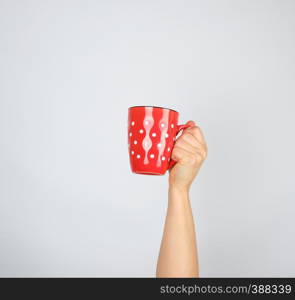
(154, 107)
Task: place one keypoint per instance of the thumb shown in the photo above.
(191, 123)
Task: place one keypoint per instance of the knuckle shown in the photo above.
(175, 149)
(176, 152)
(191, 159)
(203, 154)
(195, 129)
(199, 159)
(187, 140)
(180, 142)
(205, 150)
(188, 137)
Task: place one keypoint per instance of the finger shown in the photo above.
(191, 123)
(197, 133)
(183, 156)
(200, 151)
(184, 144)
(189, 136)
(190, 139)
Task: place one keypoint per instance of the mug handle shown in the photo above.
(179, 128)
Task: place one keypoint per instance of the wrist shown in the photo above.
(183, 190)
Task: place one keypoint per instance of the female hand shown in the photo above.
(190, 151)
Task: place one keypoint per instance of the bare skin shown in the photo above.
(178, 255)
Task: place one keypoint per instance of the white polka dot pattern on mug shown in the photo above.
(148, 139)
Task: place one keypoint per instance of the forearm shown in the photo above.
(178, 252)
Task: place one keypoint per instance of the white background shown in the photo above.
(69, 70)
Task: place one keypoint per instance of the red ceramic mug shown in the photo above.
(152, 133)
